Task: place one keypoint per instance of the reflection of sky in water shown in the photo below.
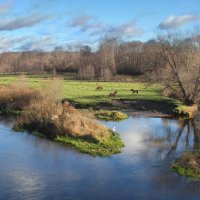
(156, 136)
(35, 168)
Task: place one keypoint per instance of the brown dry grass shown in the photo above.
(189, 160)
(16, 97)
(46, 114)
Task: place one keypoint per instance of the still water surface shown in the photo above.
(36, 168)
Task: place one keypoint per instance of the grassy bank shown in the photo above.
(188, 165)
(102, 148)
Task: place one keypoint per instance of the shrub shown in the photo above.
(16, 97)
(53, 118)
(110, 115)
(188, 164)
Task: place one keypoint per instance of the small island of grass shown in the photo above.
(106, 147)
(110, 115)
(188, 165)
(40, 112)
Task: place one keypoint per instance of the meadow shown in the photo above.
(85, 93)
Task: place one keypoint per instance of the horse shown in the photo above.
(99, 88)
(134, 91)
(112, 94)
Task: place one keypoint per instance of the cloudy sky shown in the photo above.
(46, 24)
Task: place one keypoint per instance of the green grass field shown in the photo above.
(84, 92)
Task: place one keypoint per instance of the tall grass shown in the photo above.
(16, 96)
(48, 115)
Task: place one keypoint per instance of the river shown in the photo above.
(37, 168)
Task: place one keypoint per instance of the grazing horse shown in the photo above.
(99, 88)
(112, 94)
(134, 91)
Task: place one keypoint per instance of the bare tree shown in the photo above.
(182, 73)
(86, 67)
(107, 57)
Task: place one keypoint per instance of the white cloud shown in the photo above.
(42, 43)
(127, 30)
(9, 42)
(94, 27)
(27, 43)
(85, 23)
(21, 22)
(177, 21)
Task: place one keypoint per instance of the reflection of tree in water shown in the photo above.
(174, 136)
(188, 125)
(186, 137)
(169, 143)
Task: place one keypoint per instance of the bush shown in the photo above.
(110, 115)
(188, 164)
(16, 97)
(54, 118)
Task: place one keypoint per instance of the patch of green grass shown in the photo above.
(188, 165)
(9, 112)
(104, 148)
(85, 93)
(183, 171)
(191, 110)
(110, 115)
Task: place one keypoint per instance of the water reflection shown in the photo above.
(36, 168)
(159, 136)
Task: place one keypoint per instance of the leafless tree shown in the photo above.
(182, 71)
(86, 66)
(107, 57)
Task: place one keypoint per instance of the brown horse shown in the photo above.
(134, 91)
(99, 88)
(112, 94)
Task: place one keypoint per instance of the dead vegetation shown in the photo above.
(52, 117)
(44, 112)
(16, 97)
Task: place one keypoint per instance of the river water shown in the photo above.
(36, 168)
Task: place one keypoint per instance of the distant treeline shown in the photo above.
(112, 57)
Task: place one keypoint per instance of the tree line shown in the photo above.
(112, 57)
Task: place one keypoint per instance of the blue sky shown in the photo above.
(46, 24)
